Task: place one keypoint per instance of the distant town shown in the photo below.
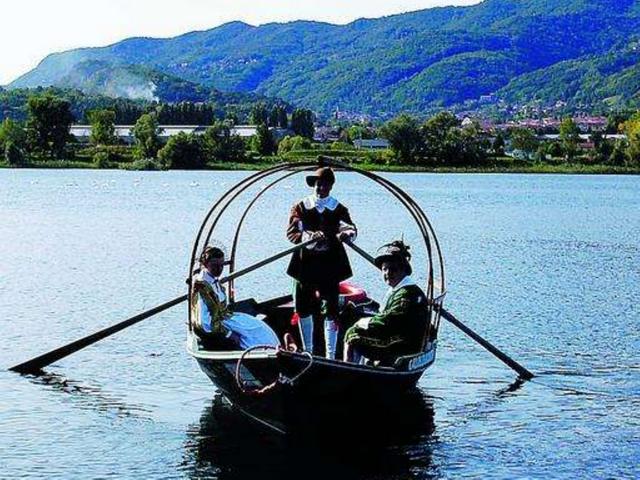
(464, 141)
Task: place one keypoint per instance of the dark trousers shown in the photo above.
(322, 297)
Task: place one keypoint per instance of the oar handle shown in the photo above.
(510, 362)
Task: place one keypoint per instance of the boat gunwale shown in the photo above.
(235, 355)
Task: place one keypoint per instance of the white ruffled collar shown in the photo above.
(405, 282)
(312, 201)
(204, 275)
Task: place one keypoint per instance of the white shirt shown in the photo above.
(313, 201)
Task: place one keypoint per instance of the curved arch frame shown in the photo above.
(424, 225)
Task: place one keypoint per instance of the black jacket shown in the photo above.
(314, 266)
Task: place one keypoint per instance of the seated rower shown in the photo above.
(213, 319)
(400, 327)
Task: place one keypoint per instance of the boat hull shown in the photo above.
(303, 392)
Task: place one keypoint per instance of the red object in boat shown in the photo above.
(349, 292)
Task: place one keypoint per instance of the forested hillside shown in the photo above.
(581, 51)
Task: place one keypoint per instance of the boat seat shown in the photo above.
(248, 306)
(216, 343)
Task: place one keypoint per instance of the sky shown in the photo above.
(32, 29)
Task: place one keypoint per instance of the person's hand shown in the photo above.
(363, 323)
(346, 235)
(319, 235)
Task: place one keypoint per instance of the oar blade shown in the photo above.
(506, 359)
(35, 365)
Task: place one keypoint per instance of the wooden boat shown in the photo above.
(282, 388)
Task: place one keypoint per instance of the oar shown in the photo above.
(510, 362)
(38, 363)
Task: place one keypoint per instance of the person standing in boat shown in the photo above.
(213, 319)
(399, 329)
(319, 268)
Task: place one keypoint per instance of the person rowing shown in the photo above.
(318, 269)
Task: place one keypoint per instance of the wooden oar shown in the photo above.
(38, 363)
(510, 362)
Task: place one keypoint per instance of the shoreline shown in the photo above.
(569, 169)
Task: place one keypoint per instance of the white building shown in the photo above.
(125, 132)
(371, 144)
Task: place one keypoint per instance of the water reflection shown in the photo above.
(511, 388)
(392, 441)
(88, 396)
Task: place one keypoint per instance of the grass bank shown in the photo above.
(499, 165)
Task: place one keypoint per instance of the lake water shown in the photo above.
(546, 267)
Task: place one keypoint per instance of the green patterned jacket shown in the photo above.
(399, 329)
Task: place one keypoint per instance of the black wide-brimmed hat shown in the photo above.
(323, 173)
(394, 251)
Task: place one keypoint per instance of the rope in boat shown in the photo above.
(282, 379)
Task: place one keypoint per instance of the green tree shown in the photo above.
(183, 152)
(278, 117)
(618, 155)
(302, 122)
(474, 145)
(283, 121)
(462, 146)
(554, 149)
(541, 154)
(498, 144)
(145, 132)
(356, 132)
(231, 118)
(525, 140)
(13, 154)
(48, 124)
(616, 120)
(632, 129)
(446, 142)
(405, 138)
(569, 138)
(439, 137)
(263, 141)
(221, 145)
(259, 114)
(102, 159)
(339, 146)
(602, 148)
(102, 126)
(12, 131)
(292, 144)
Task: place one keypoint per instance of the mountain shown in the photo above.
(611, 79)
(515, 50)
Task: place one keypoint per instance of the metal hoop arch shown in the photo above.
(424, 225)
(236, 237)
